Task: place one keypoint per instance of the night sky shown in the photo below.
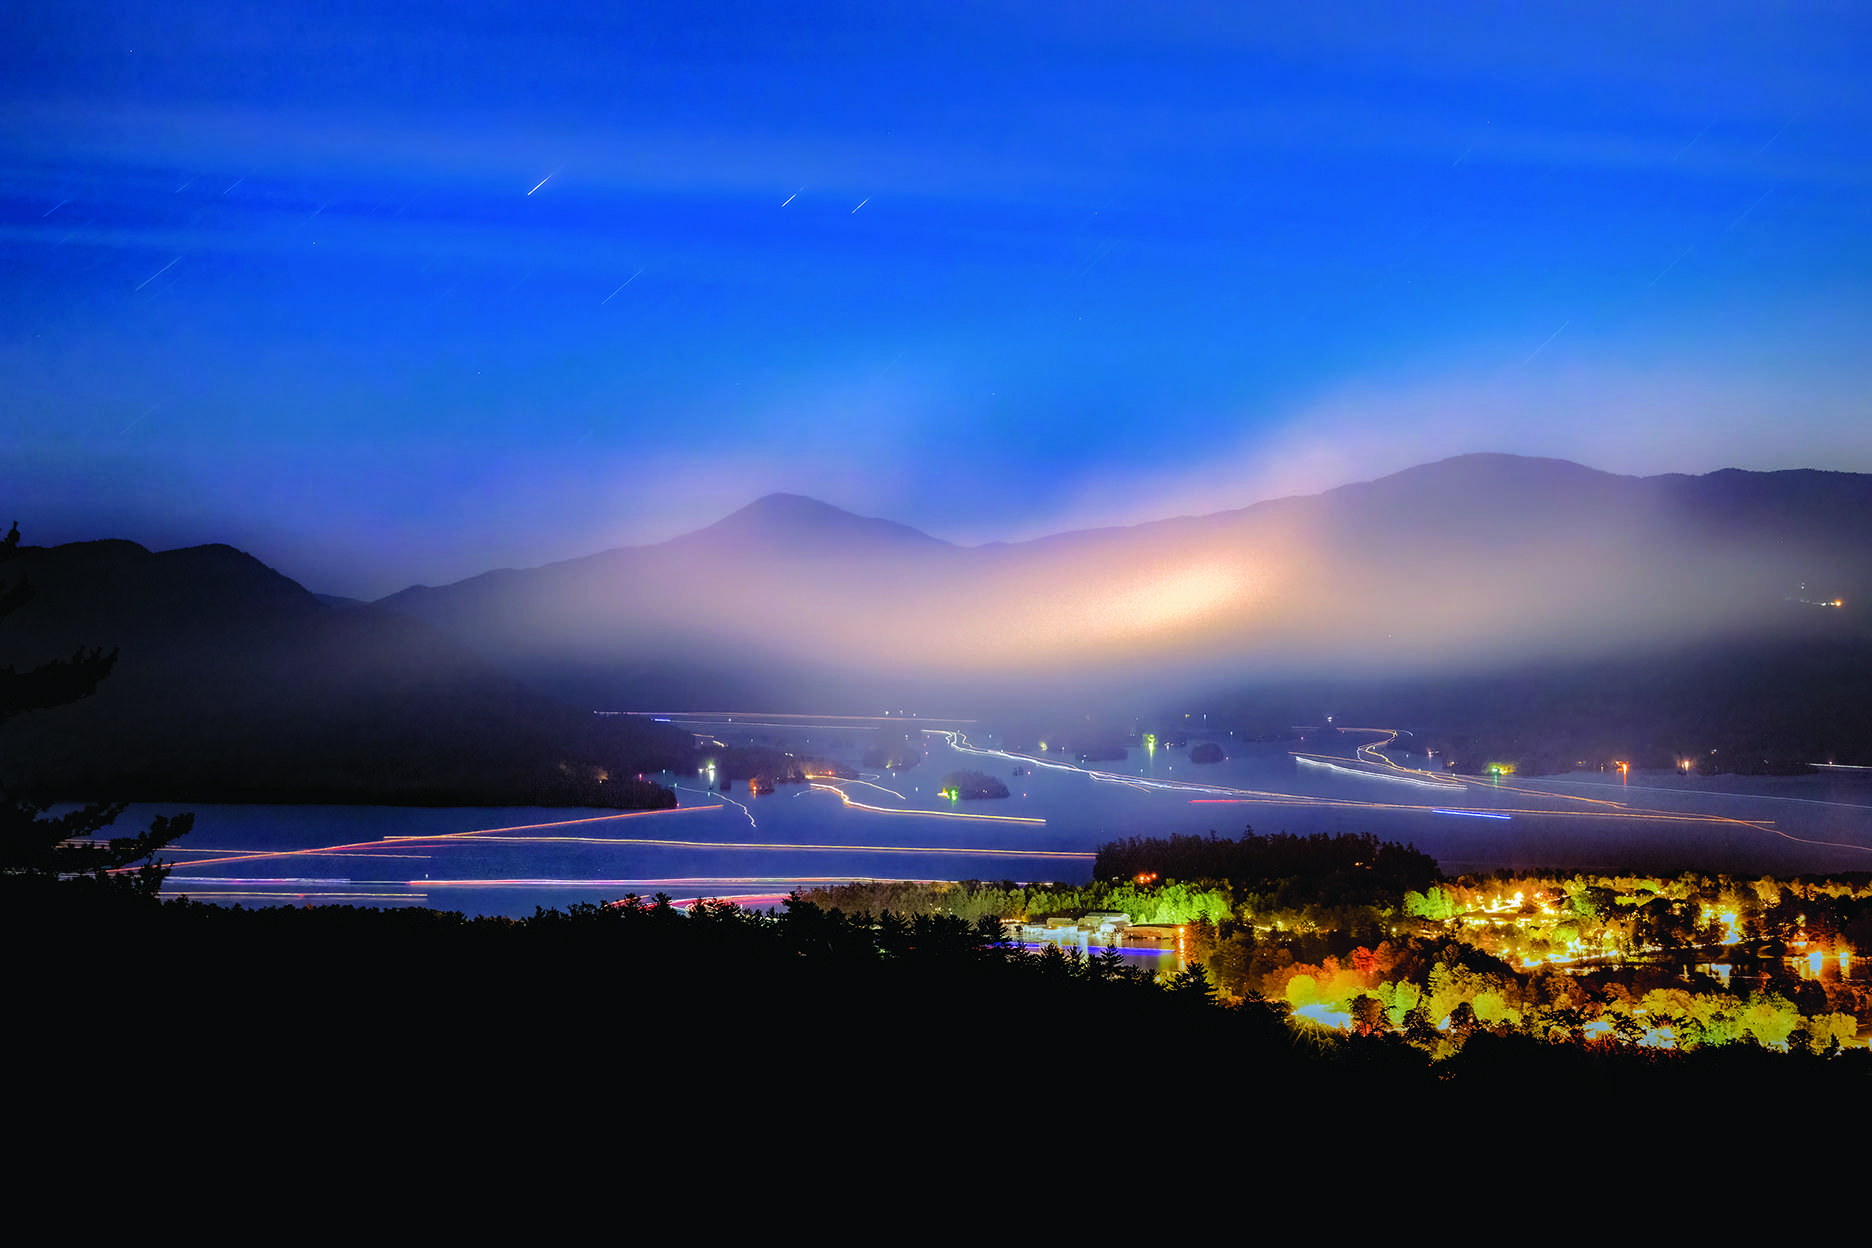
(388, 293)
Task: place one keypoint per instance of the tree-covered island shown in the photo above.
(966, 786)
(895, 749)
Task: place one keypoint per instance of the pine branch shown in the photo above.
(55, 683)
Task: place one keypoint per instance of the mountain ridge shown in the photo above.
(789, 514)
(236, 683)
(1457, 564)
(801, 517)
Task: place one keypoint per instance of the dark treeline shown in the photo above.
(636, 1012)
(1341, 869)
(634, 1005)
(1766, 706)
(745, 762)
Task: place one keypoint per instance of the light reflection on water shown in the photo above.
(759, 848)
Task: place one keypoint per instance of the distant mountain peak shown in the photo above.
(795, 518)
(1498, 465)
(783, 505)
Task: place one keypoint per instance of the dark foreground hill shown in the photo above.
(233, 683)
(632, 1027)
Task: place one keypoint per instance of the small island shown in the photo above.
(895, 749)
(1207, 752)
(971, 786)
(1099, 751)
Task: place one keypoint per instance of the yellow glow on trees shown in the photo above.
(1436, 905)
(1302, 990)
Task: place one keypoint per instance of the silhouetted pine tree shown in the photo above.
(36, 852)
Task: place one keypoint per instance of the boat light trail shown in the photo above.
(880, 788)
(287, 894)
(262, 852)
(738, 899)
(959, 742)
(685, 881)
(318, 851)
(721, 797)
(855, 849)
(820, 721)
(439, 838)
(281, 881)
(847, 798)
(1635, 816)
(1643, 788)
(1412, 778)
(565, 823)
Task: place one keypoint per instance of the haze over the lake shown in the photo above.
(396, 293)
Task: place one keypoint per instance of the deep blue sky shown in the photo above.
(388, 292)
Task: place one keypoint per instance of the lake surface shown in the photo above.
(897, 826)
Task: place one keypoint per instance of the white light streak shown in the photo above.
(1427, 782)
(1550, 337)
(614, 294)
(158, 273)
(925, 814)
(721, 797)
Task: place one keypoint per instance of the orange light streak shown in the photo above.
(283, 893)
(315, 852)
(674, 881)
(360, 854)
(562, 823)
(739, 715)
(739, 899)
(865, 849)
(440, 837)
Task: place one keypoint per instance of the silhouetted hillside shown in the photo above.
(234, 683)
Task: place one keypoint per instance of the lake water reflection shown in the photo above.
(897, 826)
